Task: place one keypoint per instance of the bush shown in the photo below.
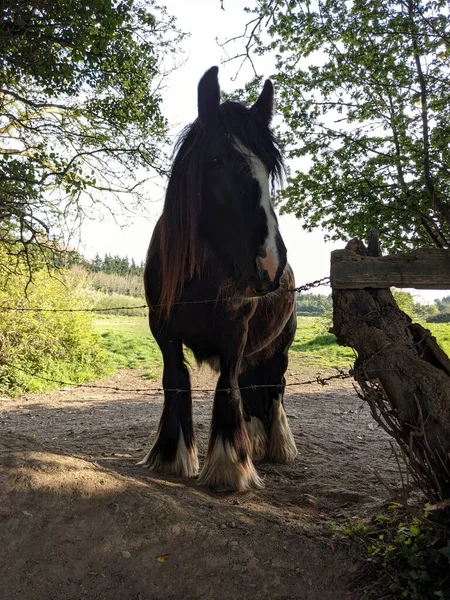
(409, 554)
(113, 302)
(55, 345)
(443, 317)
(113, 283)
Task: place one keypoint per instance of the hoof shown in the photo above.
(223, 471)
(185, 463)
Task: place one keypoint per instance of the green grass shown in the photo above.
(130, 343)
(111, 301)
(313, 346)
(132, 326)
(441, 332)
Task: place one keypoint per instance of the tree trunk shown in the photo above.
(403, 374)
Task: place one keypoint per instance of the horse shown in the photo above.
(217, 281)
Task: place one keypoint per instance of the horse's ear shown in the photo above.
(208, 95)
(264, 105)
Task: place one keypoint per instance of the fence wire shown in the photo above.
(318, 379)
(302, 288)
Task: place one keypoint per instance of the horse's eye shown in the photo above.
(215, 163)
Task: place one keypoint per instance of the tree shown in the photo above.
(313, 304)
(443, 305)
(80, 111)
(96, 264)
(404, 301)
(363, 87)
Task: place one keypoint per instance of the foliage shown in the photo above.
(404, 301)
(318, 305)
(363, 89)
(128, 285)
(114, 284)
(80, 111)
(410, 554)
(113, 302)
(443, 305)
(443, 311)
(442, 317)
(56, 345)
(314, 305)
(121, 265)
(424, 311)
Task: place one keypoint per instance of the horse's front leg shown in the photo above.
(228, 464)
(174, 451)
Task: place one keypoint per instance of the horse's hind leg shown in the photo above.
(281, 447)
(174, 451)
(257, 410)
(266, 419)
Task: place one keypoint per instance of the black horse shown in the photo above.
(216, 280)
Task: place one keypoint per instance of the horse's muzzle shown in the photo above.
(268, 262)
(261, 288)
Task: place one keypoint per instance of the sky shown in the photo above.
(308, 253)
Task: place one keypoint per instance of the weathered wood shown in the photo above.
(399, 366)
(424, 268)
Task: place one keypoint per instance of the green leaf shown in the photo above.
(369, 153)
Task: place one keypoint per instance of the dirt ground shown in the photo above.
(80, 521)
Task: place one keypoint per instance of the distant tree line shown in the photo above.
(119, 265)
(443, 305)
(111, 264)
(314, 305)
(317, 305)
(443, 314)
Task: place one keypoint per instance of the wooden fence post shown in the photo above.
(402, 372)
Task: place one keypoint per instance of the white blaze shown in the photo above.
(271, 261)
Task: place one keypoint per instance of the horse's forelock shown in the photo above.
(253, 133)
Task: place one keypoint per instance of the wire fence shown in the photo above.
(318, 379)
(299, 289)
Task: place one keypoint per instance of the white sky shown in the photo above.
(308, 254)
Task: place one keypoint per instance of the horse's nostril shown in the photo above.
(265, 287)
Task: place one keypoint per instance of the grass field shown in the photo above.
(132, 345)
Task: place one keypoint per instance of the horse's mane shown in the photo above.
(181, 254)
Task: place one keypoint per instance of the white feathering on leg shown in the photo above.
(258, 437)
(185, 463)
(281, 446)
(223, 471)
